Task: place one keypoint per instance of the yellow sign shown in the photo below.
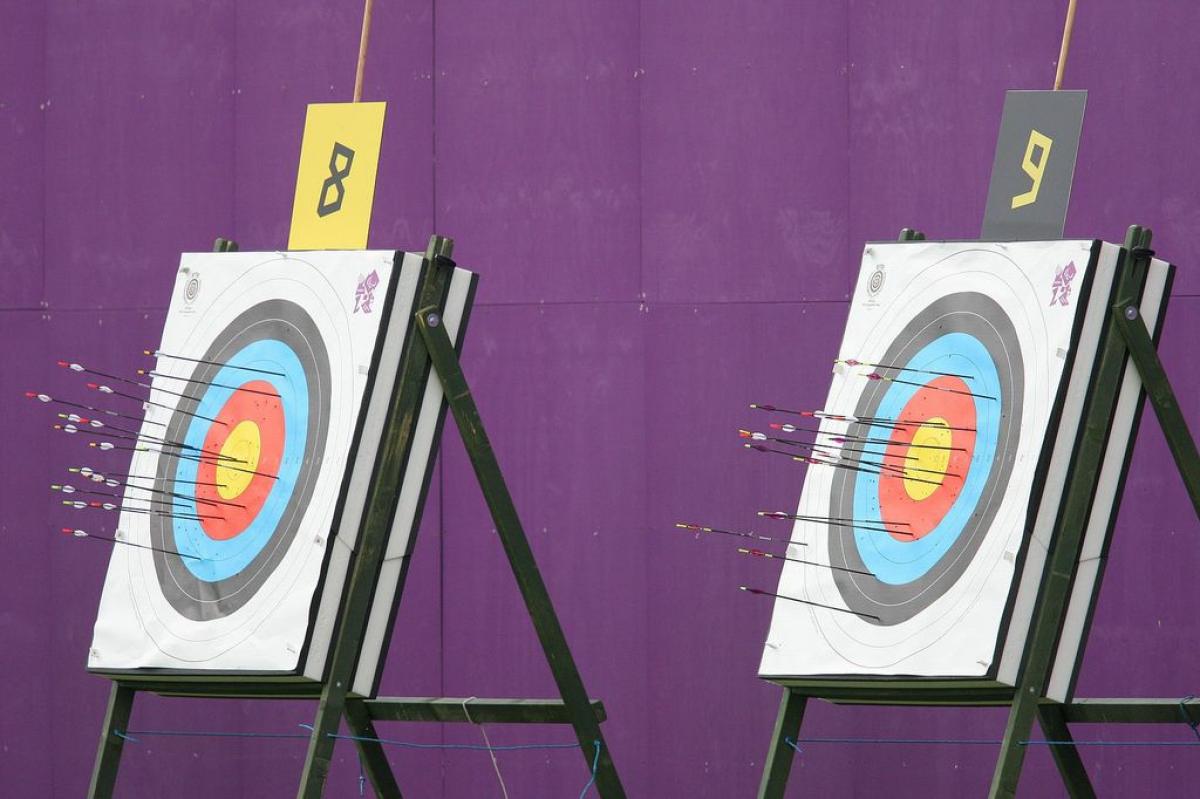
(335, 185)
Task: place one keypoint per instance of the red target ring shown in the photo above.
(250, 434)
(934, 458)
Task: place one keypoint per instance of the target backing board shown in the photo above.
(271, 389)
(947, 508)
(1098, 533)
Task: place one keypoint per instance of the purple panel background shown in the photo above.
(22, 158)
(666, 201)
(139, 146)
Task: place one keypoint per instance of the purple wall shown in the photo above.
(666, 200)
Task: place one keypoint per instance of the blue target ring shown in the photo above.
(880, 573)
(895, 561)
(210, 568)
(210, 559)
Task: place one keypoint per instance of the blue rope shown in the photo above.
(979, 742)
(467, 747)
(476, 747)
(595, 767)
(129, 735)
(1187, 719)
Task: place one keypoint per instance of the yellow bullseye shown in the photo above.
(244, 443)
(930, 449)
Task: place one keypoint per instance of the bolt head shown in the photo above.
(433, 320)
(1131, 313)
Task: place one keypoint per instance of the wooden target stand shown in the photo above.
(1126, 336)
(432, 349)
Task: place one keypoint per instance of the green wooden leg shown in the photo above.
(1070, 765)
(1040, 647)
(1162, 397)
(520, 556)
(375, 762)
(108, 758)
(321, 743)
(376, 523)
(779, 758)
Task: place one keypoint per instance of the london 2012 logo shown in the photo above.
(364, 295)
(1061, 287)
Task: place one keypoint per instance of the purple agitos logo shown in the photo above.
(364, 295)
(1061, 287)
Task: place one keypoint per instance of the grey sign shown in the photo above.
(1034, 166)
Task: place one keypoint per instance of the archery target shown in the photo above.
(271, 358)
(917, 579)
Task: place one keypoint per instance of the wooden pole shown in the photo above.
(362, 49)
(1062, 53)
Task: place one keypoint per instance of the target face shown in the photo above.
(263, 413)
(934, 486)
(265, 371)
(952, 462)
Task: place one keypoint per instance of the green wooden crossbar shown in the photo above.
(1126, 336)
(474, 711)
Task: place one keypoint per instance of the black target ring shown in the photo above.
(982, 318)
(270, 321)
